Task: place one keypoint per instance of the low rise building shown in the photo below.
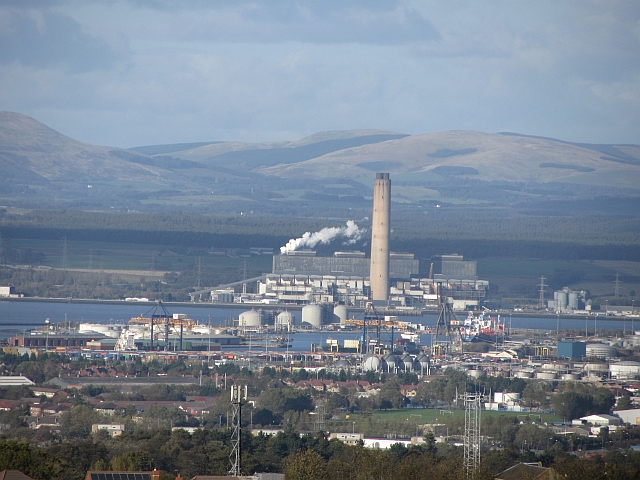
(113, 429)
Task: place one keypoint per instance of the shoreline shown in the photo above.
(239, 306)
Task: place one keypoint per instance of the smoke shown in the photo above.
(350, 232)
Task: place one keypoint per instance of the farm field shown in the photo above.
(433, 415)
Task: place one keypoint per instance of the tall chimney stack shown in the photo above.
(379, 271)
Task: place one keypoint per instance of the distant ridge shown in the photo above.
(169, 148)
(321, 173)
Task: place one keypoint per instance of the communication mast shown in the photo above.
(318, 424)
(472, 443)
(238, 399)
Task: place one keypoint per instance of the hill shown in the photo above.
(500, 170)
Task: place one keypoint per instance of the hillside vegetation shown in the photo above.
(508, 173)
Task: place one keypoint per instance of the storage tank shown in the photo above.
(392, 362)
(570, 377)
(545, 375)
(406, 362)
(523, 374)
(475, 373)
(424, 363)
(312, 314)
(341, 312)
(343, 364)
(596, 367)
(373, 364)
(561, 301)
(285, 320)
(251, 318)
(573, 300)
(625, 369)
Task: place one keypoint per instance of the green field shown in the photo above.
(433, 415)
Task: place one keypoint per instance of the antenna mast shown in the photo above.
(472, 443)
(238, 399)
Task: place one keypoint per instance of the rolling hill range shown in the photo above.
(455, 167)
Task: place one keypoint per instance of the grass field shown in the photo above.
(432, 415)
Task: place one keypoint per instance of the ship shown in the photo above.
(481, 328)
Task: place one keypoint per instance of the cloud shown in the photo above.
(42, 38)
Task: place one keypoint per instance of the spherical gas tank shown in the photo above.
(285, 319)
(251, 318)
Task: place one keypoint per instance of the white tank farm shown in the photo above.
(312, 314)
(596, 367)
(373, 364)
(341, 312)
(111, 331)
(285, 319)
(625, 369)
(251, 318)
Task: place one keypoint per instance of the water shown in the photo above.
(15, 317)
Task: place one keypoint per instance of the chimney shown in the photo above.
(380, 229)
(155, 475)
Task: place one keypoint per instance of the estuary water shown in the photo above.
(19, 316)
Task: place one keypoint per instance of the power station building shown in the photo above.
(402, 266)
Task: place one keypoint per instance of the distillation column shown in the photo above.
(380, 230)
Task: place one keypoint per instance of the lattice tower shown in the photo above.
(472, 443)
(238, 399)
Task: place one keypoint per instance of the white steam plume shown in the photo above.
(351, 232)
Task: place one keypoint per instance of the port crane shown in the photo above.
(161, 317)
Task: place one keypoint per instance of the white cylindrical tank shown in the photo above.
(596, 367)
(312, 314)
(285, 320)
(570, 376)
(341, 312)
(561, 302)
(573, 300)
(625, 369)
(545, 375)
(475, 373)
(251, 318)
(523, 374)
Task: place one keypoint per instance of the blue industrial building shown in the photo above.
(572, 350)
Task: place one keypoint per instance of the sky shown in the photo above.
(143, 72)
